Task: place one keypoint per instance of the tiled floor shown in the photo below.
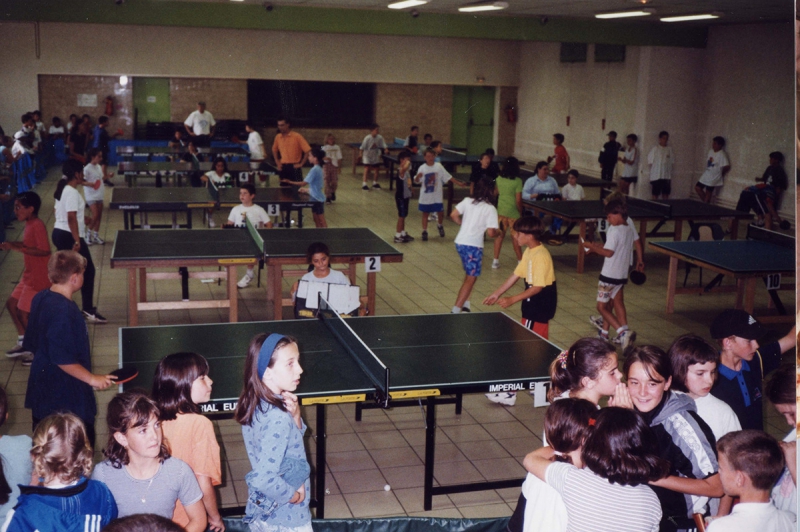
(485, 442)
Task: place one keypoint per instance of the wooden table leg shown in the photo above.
(740, 288)
(133, 306)
(142, 284)
(672, 281)
(233, 294)
(735, 229)
(275, 275)
(678, 231)
(372, 283)
(581, 250)
(351, 272)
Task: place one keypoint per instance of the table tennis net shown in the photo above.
(772, 237)
(254, 234)
(369, 363)
(661, 208)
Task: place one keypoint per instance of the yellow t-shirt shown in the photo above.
(536, 267)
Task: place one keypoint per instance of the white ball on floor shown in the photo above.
(327, 491)
(387, 487)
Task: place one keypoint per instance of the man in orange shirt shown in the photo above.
(291, 151)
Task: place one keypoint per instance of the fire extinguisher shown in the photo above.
(109, 106)
(511, 113)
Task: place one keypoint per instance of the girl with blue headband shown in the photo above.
(279, 484)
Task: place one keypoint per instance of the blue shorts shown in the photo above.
(471, 259)
(431, 207)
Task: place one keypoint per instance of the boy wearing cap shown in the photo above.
(741, 373)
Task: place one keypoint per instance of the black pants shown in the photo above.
(63, 241)
(202, 141)
(288, 171)
(748, 200)
(607, 173)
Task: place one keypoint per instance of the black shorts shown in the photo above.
(629, 179)
(661, 187)
(318, 207)
(702, 186)
(402, 207)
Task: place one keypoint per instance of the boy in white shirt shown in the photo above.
(257, 216)
(93, 191)
(432, 176)
(256, 146)
(370, 152)
(750, 462)
(57, 129)
(572, 191)
(661, 160)
(717, 165)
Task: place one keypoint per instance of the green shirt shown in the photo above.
(507, 196)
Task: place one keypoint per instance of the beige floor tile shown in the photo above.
(413, 500)
(336, 507)
(349, 461)
(475, 498)
(360, 481)
(373, 504)
(395, 457)
(445, 513)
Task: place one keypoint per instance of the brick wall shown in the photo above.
(226, 99)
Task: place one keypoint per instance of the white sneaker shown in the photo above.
(626, 338)
(495, 263)
(433, 217)
(504, 398)
(244, 281)
(88, 238)
(97, 240)
(211, 223)
(597, 321)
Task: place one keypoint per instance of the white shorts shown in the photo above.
(606, 292)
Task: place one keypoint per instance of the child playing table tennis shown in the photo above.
(319, 257)
(572, 191)
(93, 191)
(216, 178)
(273, 430)
(64, 498)
(180, 384)
(508, 189)
(248, 210)
(540, 298)
(313, 186)
(476, 215)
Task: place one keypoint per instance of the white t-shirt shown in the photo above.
(660, 160)
(784, 493)
(18, 149)
(255, 213)
(715, 162)
(334, 152)
(754, 516)
(255, 143)
(632, 169)
(372, 147)
(333, 277)
(619, 238)
(432, 179)
(71, 201)
(476, 218)
(56, 130)
(218, 179)
(93, 173)
(544, 509)
(570, 193)
(596, 505)
(200, 123)
(717, 415)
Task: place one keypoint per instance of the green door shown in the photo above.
(151, 100)
(473, 118)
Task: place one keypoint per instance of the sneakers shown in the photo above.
(432, 217)
(441, 231)
(495, 264)
(424, 236)
(97, 240)
(328, 200)
(27, 360)
(333, 197)
(94, 316)
(88, 238)
(17, 351)
(603, 336)
(625, 338)
(375, 185)
(408, 238)
(108, 183)
(244, 281)
(211, 223)
(399, 240)
(597, 321)
(503, 398)
(364, 187)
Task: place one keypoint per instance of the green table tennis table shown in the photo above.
(138, 251)
(392, 360)
(142, 200)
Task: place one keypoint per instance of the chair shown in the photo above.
(704, 232)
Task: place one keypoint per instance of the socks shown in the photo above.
(398, 235)
(250, 272)
(622, 329)
(455, 310)
(466, 305)
(20, 338)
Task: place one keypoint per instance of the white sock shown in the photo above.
(20, 338)
(622, 329)
(398, 235)
(466, 305)
(250, 273)
(456, 310)
(403, 233)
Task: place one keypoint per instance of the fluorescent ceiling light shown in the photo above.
(704, 16)
(237, 0)
(407, 3)
(625, 14)
(483, 6)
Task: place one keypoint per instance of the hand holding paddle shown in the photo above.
(124, 374)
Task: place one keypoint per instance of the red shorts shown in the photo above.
(24, 293)
(542, 329)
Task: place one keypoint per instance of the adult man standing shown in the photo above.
(290, 150)
(200, 125)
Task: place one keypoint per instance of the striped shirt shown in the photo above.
(596, 505)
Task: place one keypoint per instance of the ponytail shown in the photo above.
(584, 358)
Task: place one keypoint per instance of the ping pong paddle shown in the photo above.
(125, 374)
(637, 277)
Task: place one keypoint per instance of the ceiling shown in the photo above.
(735, 11)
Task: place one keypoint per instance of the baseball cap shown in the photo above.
(735, 322)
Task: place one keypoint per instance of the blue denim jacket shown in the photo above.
(277, 455)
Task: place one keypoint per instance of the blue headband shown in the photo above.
(265, 354)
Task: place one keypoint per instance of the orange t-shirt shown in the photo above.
(560, 165)
(191, 438)
(34, 274)
(291, 147)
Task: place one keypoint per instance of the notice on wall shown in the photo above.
(151, 99)
(87, 100)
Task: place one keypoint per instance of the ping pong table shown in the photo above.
(395, 146)
(128, 152)
(765, 254)
(449, 159)
(137, 251)
(400, 359)
(643, 211)
(175, 200)
(133, 170)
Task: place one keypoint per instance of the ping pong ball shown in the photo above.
(387, 487)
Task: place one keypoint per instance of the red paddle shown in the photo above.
(125, 374)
